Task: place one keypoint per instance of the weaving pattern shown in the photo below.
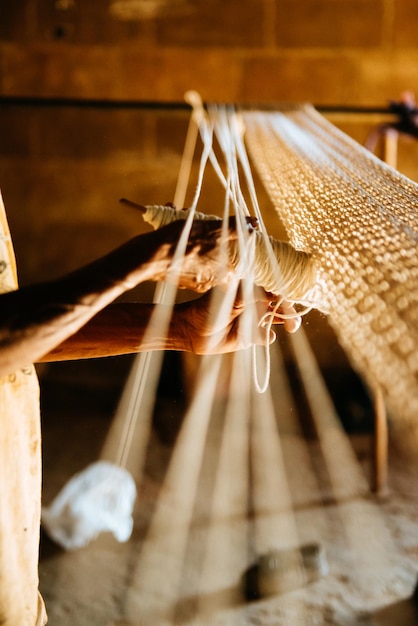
(359, 219)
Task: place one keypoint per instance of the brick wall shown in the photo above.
(333, 52)
(63, 169)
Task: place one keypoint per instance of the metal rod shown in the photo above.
(170, 105)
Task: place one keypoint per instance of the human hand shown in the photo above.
(205, 262)
(208, 327)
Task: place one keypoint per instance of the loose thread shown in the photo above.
(270, 317)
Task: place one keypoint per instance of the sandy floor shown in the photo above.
(173, 572)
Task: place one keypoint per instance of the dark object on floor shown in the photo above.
(414, 596)
(280, 571)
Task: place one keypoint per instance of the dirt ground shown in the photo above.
(155, 579)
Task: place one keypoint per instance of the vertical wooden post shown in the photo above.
(380, 441)
(390, 147)
(380, 448)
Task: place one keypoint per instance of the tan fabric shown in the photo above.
(20, 477)
(358, 217)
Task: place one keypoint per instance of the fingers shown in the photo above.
(292, 323)
(267, 303)
(213, 228)
(251, 221)
(208, 235)
(287, 315)
(251, 224)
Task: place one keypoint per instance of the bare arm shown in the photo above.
(121, 328)
(124, 328)
(36, 319)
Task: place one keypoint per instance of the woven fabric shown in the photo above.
(359, 219)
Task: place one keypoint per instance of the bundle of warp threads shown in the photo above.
(294, 277)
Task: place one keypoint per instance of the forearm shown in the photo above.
(35, 319)
(123, 328)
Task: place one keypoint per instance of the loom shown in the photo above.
(356, 217)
